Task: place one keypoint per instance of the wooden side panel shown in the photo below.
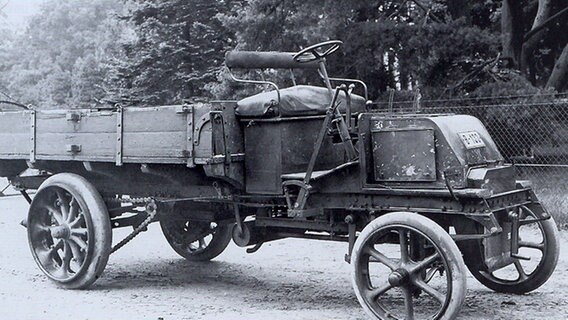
(155, 133)
(163, 134)
(15, 135)
(92, 133)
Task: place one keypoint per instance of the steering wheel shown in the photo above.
(317, 51)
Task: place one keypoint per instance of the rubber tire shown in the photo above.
(221, 239)
(95, 210)
(437, 234)
(541, 274)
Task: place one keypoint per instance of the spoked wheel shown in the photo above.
(196, 240)
(538, 240)
(69, 231)
(407, 267)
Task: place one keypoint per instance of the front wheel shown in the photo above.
(538, 240)
(69, 231)
(407, 267)
(196, 240)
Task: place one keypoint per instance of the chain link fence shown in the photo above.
(530, 131)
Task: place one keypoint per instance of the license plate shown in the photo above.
(472, 140)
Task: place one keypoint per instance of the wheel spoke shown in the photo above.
(73, 211)
(382, 258)
(79, 232)
(76, 221)
(67, 256)
(56, 214)
(202, 244)
(80, 242)
(39, 230)
(63, 204)
(408, 304)
(316, 53)
(61, 272)
(330, 50)
(429, 290)
(47, 256)
(76, 251)
(403, 245)
(56, 247)
(375, 293)
(425, 263)
(532, 245)
(520, 270)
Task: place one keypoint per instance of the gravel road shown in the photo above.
(287, 279)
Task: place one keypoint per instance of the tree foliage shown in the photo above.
(387, 43)
(60, 60)
(79, 53)
(535, 40)
(178, 48)
(442, 47)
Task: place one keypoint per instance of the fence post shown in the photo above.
(417, 97)
(391, 97)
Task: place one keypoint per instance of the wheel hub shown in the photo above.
(399, 277)
(61, 232)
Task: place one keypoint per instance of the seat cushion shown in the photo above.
(294, 101)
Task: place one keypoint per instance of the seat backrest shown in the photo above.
(295, 101)
(265, 60)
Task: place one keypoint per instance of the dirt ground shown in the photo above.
(287, 279)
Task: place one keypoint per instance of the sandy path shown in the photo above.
(288, 279)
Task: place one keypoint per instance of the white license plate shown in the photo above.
(472, 140)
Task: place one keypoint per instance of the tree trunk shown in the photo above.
(529, 46)
(512, 30)
(559, 78)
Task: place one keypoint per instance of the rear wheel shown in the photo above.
(538, 240)
(196, 240)
(69, 231)
(407, 267)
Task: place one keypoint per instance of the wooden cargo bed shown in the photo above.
(166, 134)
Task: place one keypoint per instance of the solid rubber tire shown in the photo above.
(100, 233)
(219, 242)
(437, 234)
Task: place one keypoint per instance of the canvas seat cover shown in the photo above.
(300, 100)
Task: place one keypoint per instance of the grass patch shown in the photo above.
(551, 188)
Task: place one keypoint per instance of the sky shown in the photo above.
(17, 11)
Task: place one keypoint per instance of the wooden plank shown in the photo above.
(93, 144)
(156, 119)
(15, 136)
(154, 144)
(15, 122)
(155, 160)
(15, 144)
(56, 121)
(75, 157)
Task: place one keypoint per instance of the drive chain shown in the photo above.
(150, 210)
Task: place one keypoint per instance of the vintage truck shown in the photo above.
(418, 199)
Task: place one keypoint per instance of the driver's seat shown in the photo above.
(295, 101)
